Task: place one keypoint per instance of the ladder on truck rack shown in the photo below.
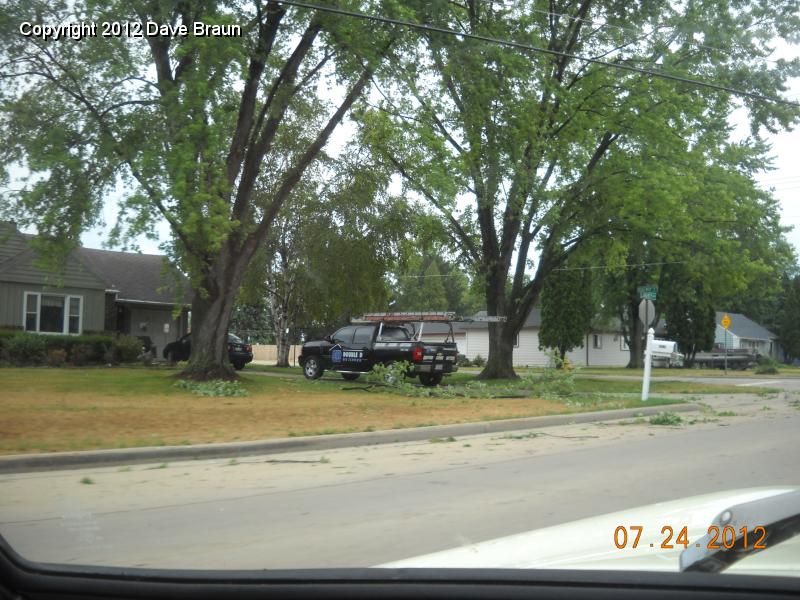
(423, 317)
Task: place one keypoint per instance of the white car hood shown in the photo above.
(589, 543)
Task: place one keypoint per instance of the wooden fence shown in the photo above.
(268, 353)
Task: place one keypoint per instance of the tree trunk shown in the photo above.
(635, 347)
(500, 364)
(282, 338)
(212, 305)
(210, 320)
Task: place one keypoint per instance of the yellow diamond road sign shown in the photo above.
(726, 321)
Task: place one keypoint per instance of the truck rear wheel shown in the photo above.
(430, 379)
(313, 368)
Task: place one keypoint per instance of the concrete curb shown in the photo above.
(127, 456)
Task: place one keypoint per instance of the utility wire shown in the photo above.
(637, 32)
(521, 46)
(592, 268)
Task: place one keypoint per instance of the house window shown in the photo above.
(32, 312)
(597, 341)
(51, 313)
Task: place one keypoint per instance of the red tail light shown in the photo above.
(248, 348)
(416, 354)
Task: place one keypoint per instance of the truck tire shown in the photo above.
(313, 368)
(351, 376)
(238, 365)
(430, 379)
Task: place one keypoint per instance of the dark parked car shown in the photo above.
(239, 353)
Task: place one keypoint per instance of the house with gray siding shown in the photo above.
(96, 291)
(745, 333)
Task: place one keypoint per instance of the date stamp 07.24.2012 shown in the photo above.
(716, 539)
(77, 31)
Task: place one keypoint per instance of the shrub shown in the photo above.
(766, 366)
(56, 357)
(126, 348)
(22, 348)
(80, 354)
(463, 361)
(26, 349)
(478, 361)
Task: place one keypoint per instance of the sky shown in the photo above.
(783, 179)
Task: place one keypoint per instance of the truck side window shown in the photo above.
(343, 336)
(397, 334)
(363, 336)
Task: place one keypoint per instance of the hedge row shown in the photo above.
(30, 349)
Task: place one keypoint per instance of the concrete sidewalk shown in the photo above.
(128, 456)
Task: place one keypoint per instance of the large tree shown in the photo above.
(187, 127)
(529, 154)
(567, 309)
(689, 313)
(788, 318)
(714, 229)
(328, 252)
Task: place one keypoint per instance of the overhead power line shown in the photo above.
(529, 47)
(590, 268)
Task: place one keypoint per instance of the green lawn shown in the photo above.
(47, 409)
(623, 386)
(784, 372)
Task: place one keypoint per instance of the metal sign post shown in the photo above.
(726, 322)
(647, 364)
(647, 311)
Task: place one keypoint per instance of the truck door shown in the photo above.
(359, 352)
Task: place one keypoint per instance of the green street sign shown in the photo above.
(648, 292)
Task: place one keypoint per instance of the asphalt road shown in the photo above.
(367, 506)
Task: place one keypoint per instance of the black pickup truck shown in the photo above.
(356, 348)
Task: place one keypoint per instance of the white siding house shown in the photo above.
(600, 348)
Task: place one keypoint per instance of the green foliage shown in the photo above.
(213, 388)
(523, 152)
(766, 366)
(56, 357)
(551, 382)
(394, 374)
(567, 309)
(690, 315)
(478, 361)
(788, 318)
(23, 348)
(126, 348)
(210, 134)
(80, 354)
(666, 418)
(26, 349)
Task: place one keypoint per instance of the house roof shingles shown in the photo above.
(746, 328)
(137, 277)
